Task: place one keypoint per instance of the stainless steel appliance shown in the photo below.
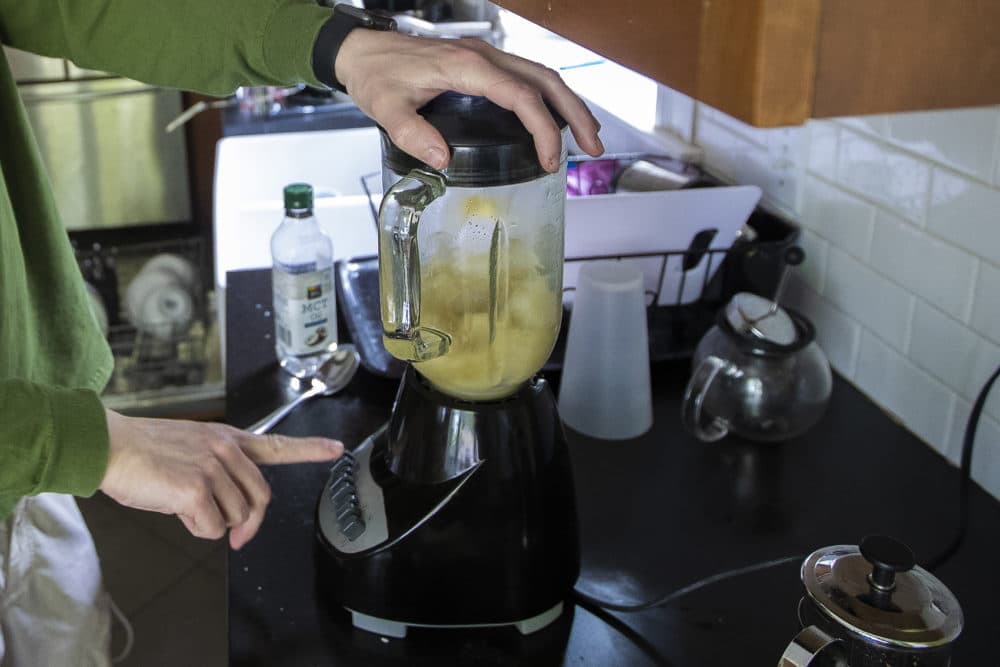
(103, 145)
(872, 606)
(460, 511)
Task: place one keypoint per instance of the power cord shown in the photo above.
(681, 592)
(625, 630)
(965, 483)
(127, 627)
(601, 608)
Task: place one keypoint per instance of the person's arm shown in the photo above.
(214, 46)
(51, 439)
(208, 46)
(54, 439)
(204, 473)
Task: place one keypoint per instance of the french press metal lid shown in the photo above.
(878, 592)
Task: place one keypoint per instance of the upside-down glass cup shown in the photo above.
(605, 389)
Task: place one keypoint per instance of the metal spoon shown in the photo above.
(332, 376)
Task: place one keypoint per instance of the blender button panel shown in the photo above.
(342, 493)
(341, 483)
(353, 527)
(346, 508)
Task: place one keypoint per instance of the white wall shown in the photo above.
(901, 225)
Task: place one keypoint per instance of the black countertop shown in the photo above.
(656, 513)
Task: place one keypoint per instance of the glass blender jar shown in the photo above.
(471, 258)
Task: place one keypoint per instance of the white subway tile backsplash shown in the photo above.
(952, 353)
(838, 335)
(964, 139)
(986, 302)
(967, 213)
(676, 112)
(894, 179)
(921, 402)
(937, 271)
(727, 152)
(739, 160)
(876, 302)
(996, 164)
(877, 124)
(822, 148)
(986, 447)
(749, 133)
(813, 269)
(839, 217)
(901, 228)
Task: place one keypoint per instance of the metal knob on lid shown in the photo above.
(878, 593)
(887, 556)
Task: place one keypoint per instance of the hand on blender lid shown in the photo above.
(390, 76)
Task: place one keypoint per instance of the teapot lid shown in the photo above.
(877, 591)
(759, 319)
(489, 145)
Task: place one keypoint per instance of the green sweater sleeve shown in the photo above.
(208, 46)
(51, 439)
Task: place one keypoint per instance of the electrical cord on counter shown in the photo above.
(602, 608)
(965, 483)
(127, 628)
(625, 630)
(580, 596)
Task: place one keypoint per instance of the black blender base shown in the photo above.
(397, 629)
(484, 536)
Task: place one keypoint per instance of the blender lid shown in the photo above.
(752, 317)
(877, 592)
(489, 144)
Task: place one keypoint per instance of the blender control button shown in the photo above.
(342, 493)
(353, 527)
(339, 484)
(346, 507)
(339, 466)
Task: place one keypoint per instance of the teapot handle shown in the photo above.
(813, 647)
(694, 398)
(399, 267)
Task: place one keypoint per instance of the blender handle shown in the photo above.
(399, 261)
(694, 398)
(812, 646)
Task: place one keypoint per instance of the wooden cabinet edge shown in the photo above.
(780, 62)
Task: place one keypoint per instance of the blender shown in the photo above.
(460, 510)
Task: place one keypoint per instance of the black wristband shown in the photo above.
(332, 35)
(324, 54)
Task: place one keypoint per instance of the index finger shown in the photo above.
(274, 448)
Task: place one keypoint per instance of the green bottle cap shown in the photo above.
(298, 196)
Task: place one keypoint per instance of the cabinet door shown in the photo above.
(779, 62)
(754, 59)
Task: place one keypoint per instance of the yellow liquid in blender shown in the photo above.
(502, 326)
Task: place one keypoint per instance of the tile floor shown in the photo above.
(170, 585)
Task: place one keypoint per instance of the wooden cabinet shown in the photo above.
(779, 62)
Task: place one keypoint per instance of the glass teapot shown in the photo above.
(471, 257)
(758, 373)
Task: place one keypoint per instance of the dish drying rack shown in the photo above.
(752, 264)
(155, 370)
